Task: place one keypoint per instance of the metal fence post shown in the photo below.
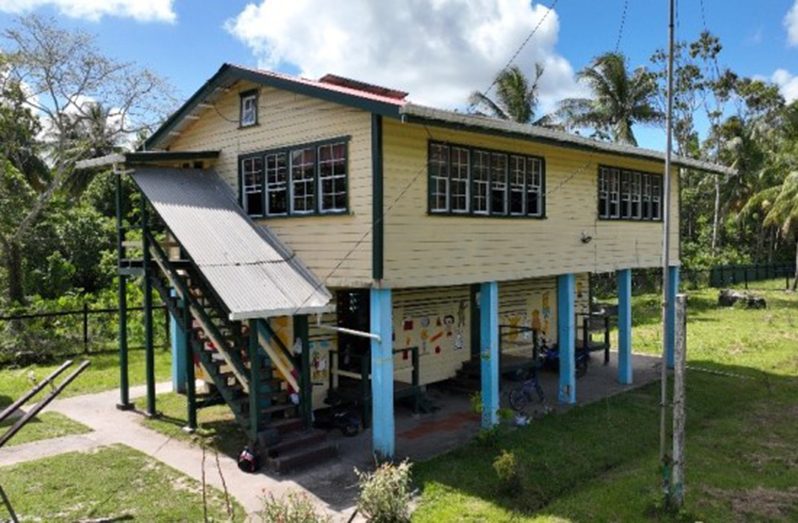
(85, 328)
(677, 477)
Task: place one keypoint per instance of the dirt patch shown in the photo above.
(761, 503)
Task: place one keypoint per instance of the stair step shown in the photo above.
(280, 407)
(286, 425)
(295, 440)
(302, 457)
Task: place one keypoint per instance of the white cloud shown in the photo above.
(438, 50)
(94, 10)
(791, 23)
(787, 82)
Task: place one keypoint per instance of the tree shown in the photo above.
(516, 96)
(619, 100)
(779, 207)
(62, 79)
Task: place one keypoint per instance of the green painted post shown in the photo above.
(191, 393)
(306, 386)
(148, 338)
(254, 382)
(124, 388)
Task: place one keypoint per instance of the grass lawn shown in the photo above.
(45, 426)
(116, 483)
(217, 427)
(102, 374)
(600, 462)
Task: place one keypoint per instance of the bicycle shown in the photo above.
(523, 394)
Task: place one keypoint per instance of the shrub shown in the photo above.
(489, 438)
(385, 493)
(506, 467)
(476, 403)
(295, 507)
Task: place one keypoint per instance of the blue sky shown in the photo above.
(438, 57)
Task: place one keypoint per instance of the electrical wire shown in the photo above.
(472, 105)
(621, 27)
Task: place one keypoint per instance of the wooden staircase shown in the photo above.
(253, 373)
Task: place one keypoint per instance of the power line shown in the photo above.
(621, 27)
(517, 51)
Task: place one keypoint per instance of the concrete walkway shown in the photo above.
(111, 426)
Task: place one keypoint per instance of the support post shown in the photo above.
(489, 352)
(177, 337)
(677, 478)
(124, 387)
(148, 337)
(305, 385)
(624, 277)
(254, 382)
(566, 337)
(382, 418)
(191, 380)
(670, 314)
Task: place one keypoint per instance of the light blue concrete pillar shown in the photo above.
(489, 352)
(566, 336)
(383, 438)
(178, 341)
(670, 315)
(625, 326)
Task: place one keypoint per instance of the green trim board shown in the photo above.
(377, 200)
(167, 156)
(228, 74)
(287, 149)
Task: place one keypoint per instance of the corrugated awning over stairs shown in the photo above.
(251, 271)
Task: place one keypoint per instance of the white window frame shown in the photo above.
(515, 188)
(536, 186)
(483, 183)
(307, 183)
(249, 188)
(335, 177)
(277, 186)
(248, 109)
(460, 175)
(439, 180)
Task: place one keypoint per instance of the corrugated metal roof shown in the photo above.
(252, 272)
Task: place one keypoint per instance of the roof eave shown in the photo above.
(271, 313)
(229, 72)
(420, 114)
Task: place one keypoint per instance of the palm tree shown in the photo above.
(516, 96)
(620, 99)
(779, 206)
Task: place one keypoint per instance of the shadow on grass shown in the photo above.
(563, 454)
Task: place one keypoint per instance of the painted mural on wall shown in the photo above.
(535, 310)
(435, 328)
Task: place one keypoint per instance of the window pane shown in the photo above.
(646, 195)
(459, 179)
(656, 197)
(276, 184)
(249, 110)
(498, 192)
(625, 194)
(635, 193)
(303, 170)
(481, 182)
(439, 177)
(252, 185)
(534, 187)
(332, 177)
(604, 192)
(615, 193)
(517, 185)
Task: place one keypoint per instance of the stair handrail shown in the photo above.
(278, 358)
(205, 322)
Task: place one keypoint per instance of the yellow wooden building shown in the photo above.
(428, 237)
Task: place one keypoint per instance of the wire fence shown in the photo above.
(646, 281)
(30, 336)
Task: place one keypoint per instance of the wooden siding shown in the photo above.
(287, 119)
(428, 250)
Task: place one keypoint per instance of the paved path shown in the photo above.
(111, 426)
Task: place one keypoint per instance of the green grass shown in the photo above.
(216, 429)
(599, 462)
(102, 374)
(115, 482)
(45, 426)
